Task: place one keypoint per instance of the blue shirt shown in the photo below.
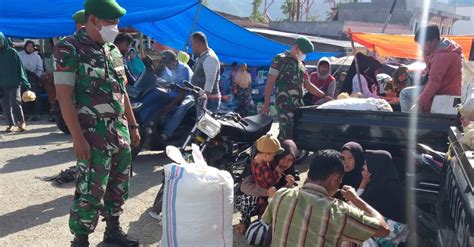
(181, 73)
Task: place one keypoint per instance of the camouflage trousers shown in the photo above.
(285, 120)
(104, 177)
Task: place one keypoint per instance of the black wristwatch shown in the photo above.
(133, 126)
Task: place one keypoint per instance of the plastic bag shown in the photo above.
(467, 90)
(28, 96)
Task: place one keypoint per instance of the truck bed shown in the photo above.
(317, 129)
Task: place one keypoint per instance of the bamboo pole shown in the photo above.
(354, 52)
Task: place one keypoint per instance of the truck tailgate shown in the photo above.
(320, 129)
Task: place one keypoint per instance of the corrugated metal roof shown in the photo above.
(335, 42)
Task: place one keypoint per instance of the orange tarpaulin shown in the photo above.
(402, 46)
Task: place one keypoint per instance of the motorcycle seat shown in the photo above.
(248, 129)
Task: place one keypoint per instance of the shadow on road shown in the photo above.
(147, 169)
(147, 229)
(30, 162)
(32, 216)
(39, 140)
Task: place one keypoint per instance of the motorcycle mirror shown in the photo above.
(175, 155)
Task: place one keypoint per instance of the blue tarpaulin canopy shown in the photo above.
(170, 22)
(230, 41)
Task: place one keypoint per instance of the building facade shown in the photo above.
(370, 16)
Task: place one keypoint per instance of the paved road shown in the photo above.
(35, 213)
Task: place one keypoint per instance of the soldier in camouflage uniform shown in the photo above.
(90, 80)
(289, 75)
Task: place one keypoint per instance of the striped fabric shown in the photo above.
(256, 233)
(309, 217)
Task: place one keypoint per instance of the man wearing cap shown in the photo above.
(289, 75)
(90, 83)
(80, 18)
(175, 72)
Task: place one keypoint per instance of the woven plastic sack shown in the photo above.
(197, 203)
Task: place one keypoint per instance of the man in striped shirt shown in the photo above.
(310, 216)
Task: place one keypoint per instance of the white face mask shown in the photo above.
(109, 33)
(301, 56)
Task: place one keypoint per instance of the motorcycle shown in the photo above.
(225, 140)
(148, 96)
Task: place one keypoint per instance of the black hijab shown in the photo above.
(365, 62)
(384, 191)
(354, 177)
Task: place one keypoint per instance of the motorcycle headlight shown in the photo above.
(209, 126)
(136, 105)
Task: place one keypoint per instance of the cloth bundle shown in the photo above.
(357, 104)
(28, 96)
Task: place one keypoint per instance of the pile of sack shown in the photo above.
(355, 103)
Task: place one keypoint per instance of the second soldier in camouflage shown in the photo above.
(289, 75)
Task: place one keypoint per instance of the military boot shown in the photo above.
(80, 241)
(115, 235)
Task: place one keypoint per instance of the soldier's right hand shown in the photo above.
(82, 149)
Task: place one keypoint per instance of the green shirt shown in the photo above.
(309, 217)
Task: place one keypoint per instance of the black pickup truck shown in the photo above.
(452, 218)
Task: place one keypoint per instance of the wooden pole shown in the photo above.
(142, 49)
(389, 17)
(354, 52)
(193, 26)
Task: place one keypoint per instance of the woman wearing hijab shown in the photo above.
(33, 64)
(353, 162)
(12, 77)
(135, 64)
(382, 189)
(248, 201)
(242, 87)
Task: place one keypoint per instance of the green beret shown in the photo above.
(304, 44)
(80, 17)
(104, 9)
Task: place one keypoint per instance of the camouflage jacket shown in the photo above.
(98, 75)
(96, 71)
(290, 75)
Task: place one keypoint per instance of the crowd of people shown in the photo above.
(351, 196)
(24, 71)
(442, 76)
